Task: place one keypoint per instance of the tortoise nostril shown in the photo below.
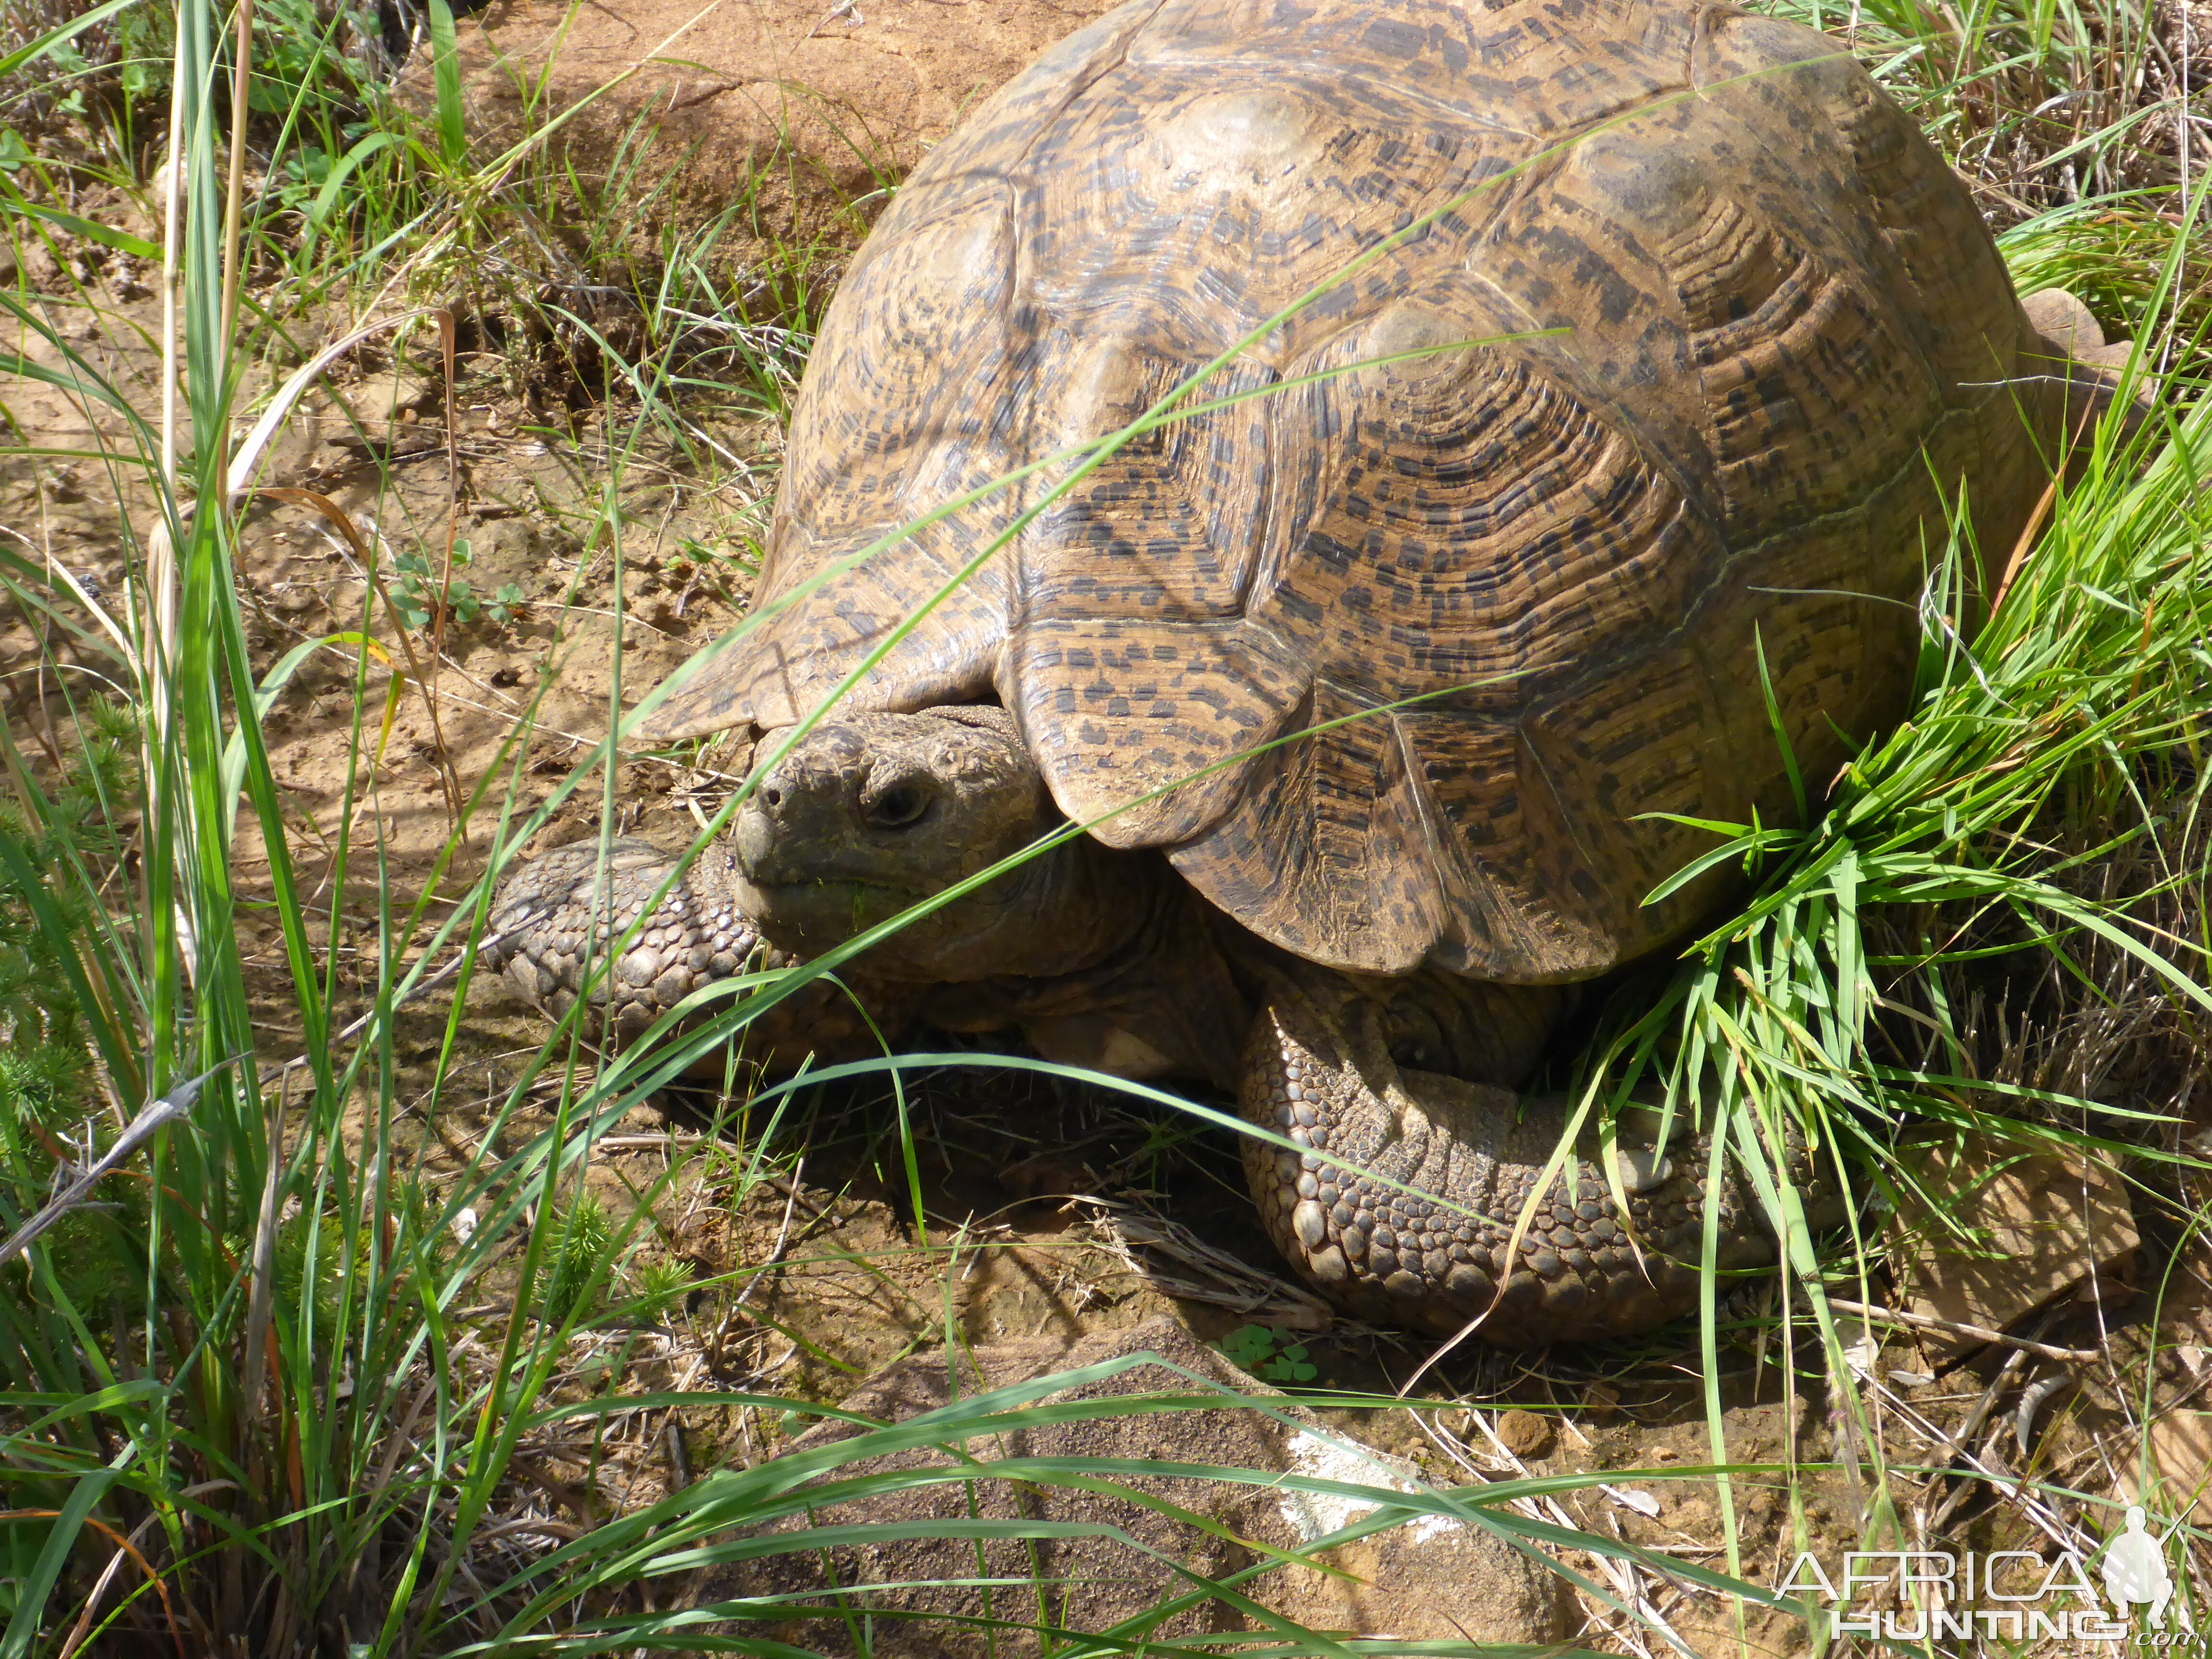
(771, 796)
(899, 807)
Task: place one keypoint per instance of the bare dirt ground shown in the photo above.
(817, 1278)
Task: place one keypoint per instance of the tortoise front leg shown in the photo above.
(1318, 1070)
(560, 909)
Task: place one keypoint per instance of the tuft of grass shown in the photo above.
(2080, 127)
(2042, 105)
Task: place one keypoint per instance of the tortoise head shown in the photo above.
(870, 814)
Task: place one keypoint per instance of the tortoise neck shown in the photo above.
(1090, 907)
(1162, 978)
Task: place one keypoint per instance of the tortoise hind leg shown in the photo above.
(1318, 1070)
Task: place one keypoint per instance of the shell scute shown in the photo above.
(1166, 527)
(1131, 238)
(1472, 526)
(1228, 689)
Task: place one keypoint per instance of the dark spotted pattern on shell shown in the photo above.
(1781, 323)
(1436, 1256)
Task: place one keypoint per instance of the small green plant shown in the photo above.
(657, 1286)
(50, 1109)
(693, 556)
(584, 1237)
(1268, 1352)
(420, 595)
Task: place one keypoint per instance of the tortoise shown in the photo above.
(1392, 681)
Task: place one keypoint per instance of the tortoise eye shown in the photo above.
(899, 807)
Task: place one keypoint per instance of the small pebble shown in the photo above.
(1525, 1434)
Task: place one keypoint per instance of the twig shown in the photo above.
(1978, 1332)
(776, 1254)
(842, 9)
(1617, 1572)
(1228, 1281)
(177, 1103)
(790, 1190)
(717, 1347)
(2033, 1399)
(1955, 1445)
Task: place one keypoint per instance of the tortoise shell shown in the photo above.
(1414, 661)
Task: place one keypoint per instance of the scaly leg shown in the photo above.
(550, 912)
(1318, 1070)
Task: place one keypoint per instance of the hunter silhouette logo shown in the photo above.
(2136, 1573)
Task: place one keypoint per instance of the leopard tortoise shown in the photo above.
(1390, 679)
